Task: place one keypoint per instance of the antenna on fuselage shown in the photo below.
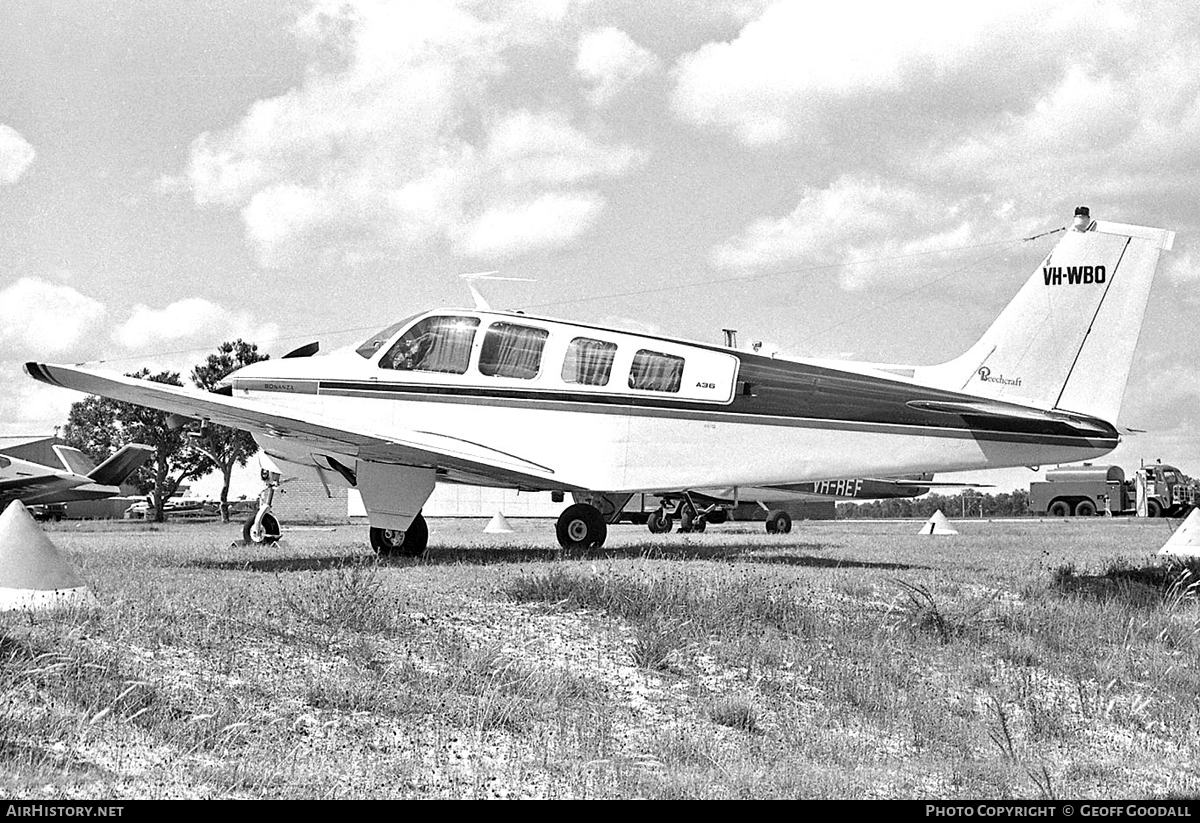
(481, 304)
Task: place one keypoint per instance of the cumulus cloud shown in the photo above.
(399, 137)
(550, 220)
(44, 318)
(29, 408)
(609, 62)
(800, 71)
(850, 225)
(16, 155)
(193, 319)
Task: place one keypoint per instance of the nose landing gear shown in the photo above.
(262, 527)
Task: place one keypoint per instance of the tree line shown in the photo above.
(98, 426)
(967, 504)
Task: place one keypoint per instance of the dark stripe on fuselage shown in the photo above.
(773, 392)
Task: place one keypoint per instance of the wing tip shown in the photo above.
(39, 372)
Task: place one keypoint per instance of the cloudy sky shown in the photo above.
(851, 179)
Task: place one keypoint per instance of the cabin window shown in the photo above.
(438, 344)
(589, 362)
(512, 351)
(655, 371)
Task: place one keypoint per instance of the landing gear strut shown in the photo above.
(395, 543)
(581, 526)
(262, 528)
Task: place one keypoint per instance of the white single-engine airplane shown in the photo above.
(506, 399)
(79, 479)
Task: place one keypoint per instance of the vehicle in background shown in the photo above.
(48, 511)
(1087, 490)
(178, 507)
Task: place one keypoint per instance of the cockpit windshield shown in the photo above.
(440, 344)
(372, 343)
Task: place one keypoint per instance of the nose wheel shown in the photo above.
(262, 527)
(581, 526)
(261, 533)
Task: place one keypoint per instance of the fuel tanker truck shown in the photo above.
(1087, 491)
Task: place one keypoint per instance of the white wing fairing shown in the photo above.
(511, 400)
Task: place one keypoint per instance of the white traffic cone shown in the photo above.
(34, 574)
(498, 525)
(938, 524)
(1185, 542)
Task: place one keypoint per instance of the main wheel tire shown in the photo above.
(659, 522)
(1154, 508)
(1059, 508)
(395, 543)
(269, 534)
(778, 522)
(718, 516)
(1085, 508)
(687, 517)
(581, 526)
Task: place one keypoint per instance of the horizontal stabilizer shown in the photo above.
(116, 469)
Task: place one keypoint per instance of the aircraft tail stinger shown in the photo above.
(1066, 341)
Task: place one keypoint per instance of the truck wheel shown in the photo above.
(1154, 508)
(1059, 508)
(1085, 508)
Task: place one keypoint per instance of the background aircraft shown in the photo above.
(513, 400)
(695, 509)
(79, 479)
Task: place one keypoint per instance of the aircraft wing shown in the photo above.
(403, 447)
(35, 487)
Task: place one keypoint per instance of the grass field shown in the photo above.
(1019, 659)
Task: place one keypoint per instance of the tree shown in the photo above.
(98, 425)
(224, 446)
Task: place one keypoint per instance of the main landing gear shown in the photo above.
(395, 543)
(581, 526)
(692, 517)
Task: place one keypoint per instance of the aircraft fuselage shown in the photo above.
(720, 418)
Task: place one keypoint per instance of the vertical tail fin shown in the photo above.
(74, 460)
(1066, 341)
